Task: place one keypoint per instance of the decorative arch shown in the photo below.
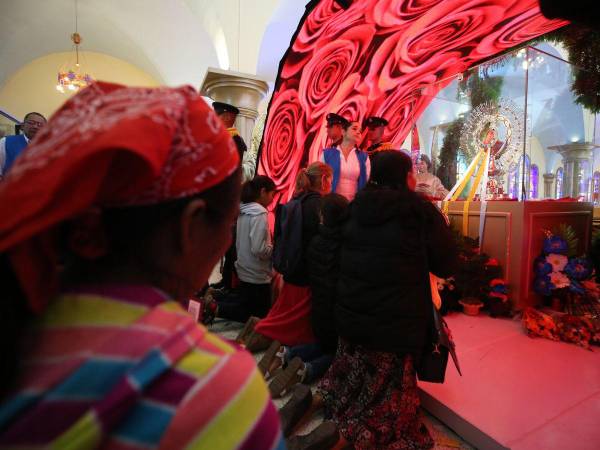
(379, 57)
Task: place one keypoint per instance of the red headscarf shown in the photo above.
(109, 145)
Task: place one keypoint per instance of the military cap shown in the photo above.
(335, 119)
(221, 108)
(374, 121)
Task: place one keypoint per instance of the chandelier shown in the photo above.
(73, 78)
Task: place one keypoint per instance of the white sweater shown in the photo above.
(253, 244)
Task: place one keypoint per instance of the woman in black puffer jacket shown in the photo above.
(392, 240)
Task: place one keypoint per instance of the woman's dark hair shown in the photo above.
(127, 231)
(390, 169)
(251, 188)
(426, 160)
(334, 209)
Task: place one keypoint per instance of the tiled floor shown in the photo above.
(443, 436)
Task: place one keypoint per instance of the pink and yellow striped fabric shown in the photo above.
(123, 367)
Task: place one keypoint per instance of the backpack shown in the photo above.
(287, 248)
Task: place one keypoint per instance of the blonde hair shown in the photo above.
(311, 177)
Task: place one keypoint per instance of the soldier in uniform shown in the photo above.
(335, 129)
(376, 127)
(228, 113)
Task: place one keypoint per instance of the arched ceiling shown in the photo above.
(380, 57)
(174, 41)
(277, 35)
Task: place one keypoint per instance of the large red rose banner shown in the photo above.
(380, 57)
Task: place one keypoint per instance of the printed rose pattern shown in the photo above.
(380, 57)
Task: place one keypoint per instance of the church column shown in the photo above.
(239, 89)
(549, 185)
(577, 168)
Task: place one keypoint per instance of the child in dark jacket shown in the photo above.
(306, 363)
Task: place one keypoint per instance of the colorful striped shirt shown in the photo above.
(123, 367)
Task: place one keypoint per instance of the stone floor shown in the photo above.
(443, 436)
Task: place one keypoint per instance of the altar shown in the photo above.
(513, 233)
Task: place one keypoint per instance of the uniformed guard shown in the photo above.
(335, 129)
(376, 126)
(228, 114)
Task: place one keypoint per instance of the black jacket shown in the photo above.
(241, 146)
(323, 260)
(311, 207)
(384, 296)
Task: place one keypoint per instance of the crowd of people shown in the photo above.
(121, 221)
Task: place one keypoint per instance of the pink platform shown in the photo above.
(517, 392)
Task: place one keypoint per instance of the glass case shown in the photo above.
(520, 112)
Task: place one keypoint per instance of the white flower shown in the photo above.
(558, 262)
(559, 279)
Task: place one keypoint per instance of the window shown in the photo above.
(534, 176)
(515, 179)
(596, 188)
(558, 188)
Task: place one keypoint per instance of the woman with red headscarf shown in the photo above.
(119, 209)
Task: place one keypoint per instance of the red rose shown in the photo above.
(325, 22)
(385, 71)
(452, 25)
(333, 63)
(393, 13)
(282, 143)
(523, 27)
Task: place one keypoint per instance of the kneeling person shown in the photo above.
(307, 363)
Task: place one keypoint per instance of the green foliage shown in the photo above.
(568, 234)
(486, 89)
(447, 168)
(475, 270)
(583, 46)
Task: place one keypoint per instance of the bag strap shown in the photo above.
(441, 327)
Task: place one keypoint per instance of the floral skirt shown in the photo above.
(373, 398)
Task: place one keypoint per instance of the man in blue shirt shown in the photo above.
(12, 146)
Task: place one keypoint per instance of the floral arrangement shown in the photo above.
(558, 273)
(567, 280)
(579, 330)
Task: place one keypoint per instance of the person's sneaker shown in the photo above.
(294, 373)
(257, 342)
(247, 330)
(291, 413)
(272, 357)
(325, 436)
(277, 363)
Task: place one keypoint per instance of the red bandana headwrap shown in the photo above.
(109, 145)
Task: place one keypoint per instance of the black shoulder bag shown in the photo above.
(434, 360)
